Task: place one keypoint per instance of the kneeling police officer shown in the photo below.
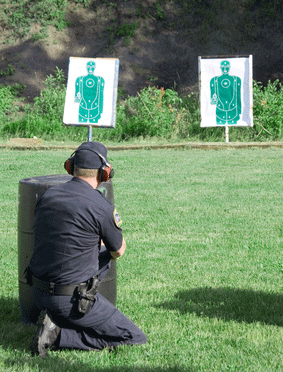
(76, 234)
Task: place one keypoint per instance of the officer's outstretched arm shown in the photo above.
(120, 252)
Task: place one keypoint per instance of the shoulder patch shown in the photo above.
(117, 218)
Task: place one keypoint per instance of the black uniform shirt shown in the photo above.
(70, 221)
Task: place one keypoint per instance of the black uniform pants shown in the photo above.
(104, 325)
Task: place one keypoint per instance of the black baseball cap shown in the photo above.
(90, 155)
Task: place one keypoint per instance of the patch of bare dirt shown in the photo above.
(25, 142)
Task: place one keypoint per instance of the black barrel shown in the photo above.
(30, 189)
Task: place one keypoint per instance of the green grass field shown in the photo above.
(203, 271)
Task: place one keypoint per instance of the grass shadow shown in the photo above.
(50, 362)
(15, 339)
(229, 304)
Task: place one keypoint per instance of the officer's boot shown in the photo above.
(46, 335)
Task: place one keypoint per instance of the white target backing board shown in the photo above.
(226, 91)
(91, 95)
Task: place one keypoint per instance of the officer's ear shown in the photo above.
(98, 178)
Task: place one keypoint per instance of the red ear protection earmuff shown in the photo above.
(106, 171)
(69, 164)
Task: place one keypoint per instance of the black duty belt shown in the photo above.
(54, 289)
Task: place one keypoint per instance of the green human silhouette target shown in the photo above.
(89, 93)
(225, 92)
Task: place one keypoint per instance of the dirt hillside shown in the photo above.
(162, 51)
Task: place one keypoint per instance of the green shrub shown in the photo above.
(8, 108)
(151, 113)
(50, 103)
(268, 110)
(45, 116)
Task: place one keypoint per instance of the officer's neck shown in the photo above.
(92, 181)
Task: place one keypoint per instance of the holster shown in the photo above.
(85, 294)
